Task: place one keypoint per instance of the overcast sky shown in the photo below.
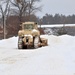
(66, 7)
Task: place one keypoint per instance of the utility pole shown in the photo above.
(4, 27)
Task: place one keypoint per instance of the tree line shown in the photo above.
(57, 19)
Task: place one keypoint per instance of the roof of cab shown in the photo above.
(29, 23)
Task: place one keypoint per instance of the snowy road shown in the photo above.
(56, 59)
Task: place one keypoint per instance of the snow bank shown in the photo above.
(56, 25)
(9, 43)
(58, 58)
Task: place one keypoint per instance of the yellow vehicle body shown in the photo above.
(29, 36)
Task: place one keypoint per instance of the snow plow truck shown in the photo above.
(29, 36)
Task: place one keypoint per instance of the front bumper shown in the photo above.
(28, 40)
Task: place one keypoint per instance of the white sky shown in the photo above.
(66, 7)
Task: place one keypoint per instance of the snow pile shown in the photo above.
(58, 58)
(49, 31)
(56, 25)
(9, 43)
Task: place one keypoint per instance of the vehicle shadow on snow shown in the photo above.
(30, 48)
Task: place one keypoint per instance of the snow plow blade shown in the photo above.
(44, 42)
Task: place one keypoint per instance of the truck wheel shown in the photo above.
(20, 43)
(36, 42)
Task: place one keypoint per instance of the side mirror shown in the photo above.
(21, 23)
(35, 23)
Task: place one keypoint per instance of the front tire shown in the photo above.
(20, 43)
(36, 42)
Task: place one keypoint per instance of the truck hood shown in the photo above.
(29, 32)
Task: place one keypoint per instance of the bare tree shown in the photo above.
(32, 7)
(20, 7)
(25, 7)
(4, 12)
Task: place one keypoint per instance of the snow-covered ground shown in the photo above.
(56, 25)
(58, 58)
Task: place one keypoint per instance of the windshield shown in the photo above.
(28, 26)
